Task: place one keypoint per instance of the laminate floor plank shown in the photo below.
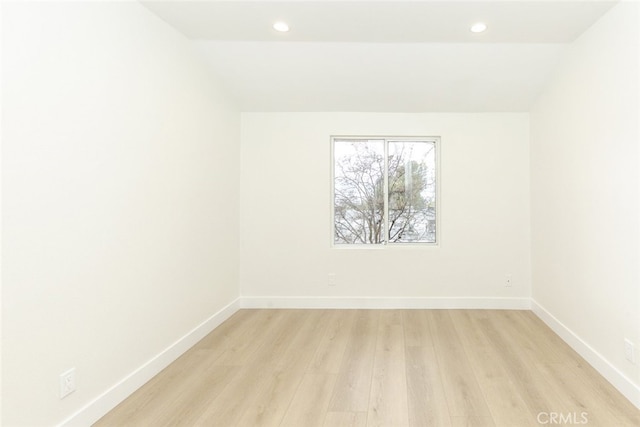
(228, 335)
(285, 376)
(148, 405)
(388, 399)
(595, 384)
(274, 344)
(235, 399)
(585, 400)
(331, 349)
(534, 338)
(505, 402)
(353, 386)
(416, 329)
(264, 327)
(471, 421)
(273, 398)
(191, 401)
(518, 361)
(463, 394)
(427, 404)
(259, 363)
(304, 344)
(309, 405)
(345, 419)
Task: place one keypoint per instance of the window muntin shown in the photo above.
(384, 190)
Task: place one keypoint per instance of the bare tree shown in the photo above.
(360, 196)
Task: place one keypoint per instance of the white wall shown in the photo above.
(120, 193)
(584, 185)
(286, 204)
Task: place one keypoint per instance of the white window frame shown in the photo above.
(436, 140)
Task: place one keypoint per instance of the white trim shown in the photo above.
(386, 302)
(109, 399)
(612, 374)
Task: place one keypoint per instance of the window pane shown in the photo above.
(412, 192)
(358, 191)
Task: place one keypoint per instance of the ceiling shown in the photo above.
(395, 56)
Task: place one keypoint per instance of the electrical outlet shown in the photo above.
(332, 279)
(629, 351)
(508, 279)
(67, 382)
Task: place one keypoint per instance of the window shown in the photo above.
(384, 190)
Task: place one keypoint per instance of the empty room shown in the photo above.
(320, 213)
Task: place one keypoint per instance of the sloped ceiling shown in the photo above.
(388, 56)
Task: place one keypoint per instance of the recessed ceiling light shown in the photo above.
(281, 26)
(478, 27)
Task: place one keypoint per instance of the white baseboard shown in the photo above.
(387, 303)
(624, 385)
(108, 400)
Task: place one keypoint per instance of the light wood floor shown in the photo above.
(306, 368)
